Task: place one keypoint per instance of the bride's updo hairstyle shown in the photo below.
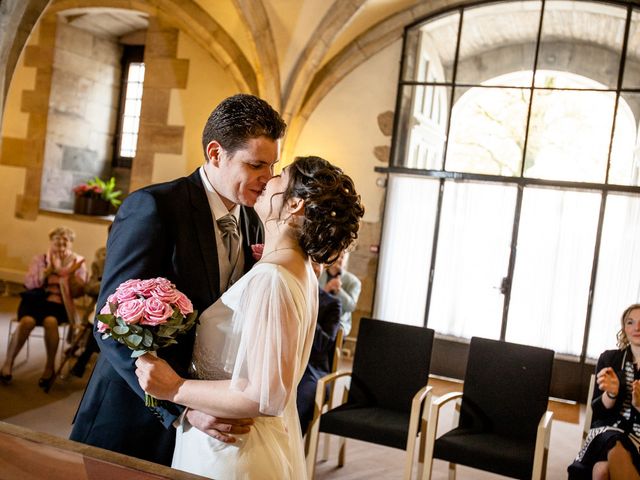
(332, 208)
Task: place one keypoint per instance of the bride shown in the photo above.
(253, 344)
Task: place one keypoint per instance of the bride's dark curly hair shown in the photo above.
(332, 208)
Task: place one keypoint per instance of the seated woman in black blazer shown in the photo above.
(611, 448)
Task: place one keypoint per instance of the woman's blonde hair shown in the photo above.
(623, 341)
(66, 231)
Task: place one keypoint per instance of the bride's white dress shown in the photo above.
(246, 336)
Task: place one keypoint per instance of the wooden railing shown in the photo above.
(29, 455)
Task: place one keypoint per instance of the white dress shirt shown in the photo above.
(228, 274)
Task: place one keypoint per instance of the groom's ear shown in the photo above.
(214, 150)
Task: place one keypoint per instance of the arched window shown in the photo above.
(514, 212)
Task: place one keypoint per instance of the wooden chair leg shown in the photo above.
(313, 448)
(422, 449)
(341, 451)
(325, 451)
(452, 471)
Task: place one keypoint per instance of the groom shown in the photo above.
(197, 231)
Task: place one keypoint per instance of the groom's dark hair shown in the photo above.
(239, 118)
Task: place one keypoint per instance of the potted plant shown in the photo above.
(96, 197)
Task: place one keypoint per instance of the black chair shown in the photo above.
(388, 399)
(503, 426)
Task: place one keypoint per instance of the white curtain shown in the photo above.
(553, 268)
(405, 249)
(618, 281)
(473, 256)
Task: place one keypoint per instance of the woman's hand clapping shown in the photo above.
(608, 382)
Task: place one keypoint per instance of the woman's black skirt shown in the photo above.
(598, 450)
(40, 309)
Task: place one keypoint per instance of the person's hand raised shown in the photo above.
(70, 269)
(333, 286)
(608, 381)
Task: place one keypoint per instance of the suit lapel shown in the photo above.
(206, 235)
(252, 233)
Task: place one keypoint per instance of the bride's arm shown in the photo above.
(213, 397)
(263, 375)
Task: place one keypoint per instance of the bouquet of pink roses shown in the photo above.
(146, 315)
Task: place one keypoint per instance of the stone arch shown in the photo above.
(312, 55)
(255, 17)
(365, 45)
(16, 23)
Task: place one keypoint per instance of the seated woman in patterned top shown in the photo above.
(611, 448)
(53, 280)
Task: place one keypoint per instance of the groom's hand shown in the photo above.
(221, 429)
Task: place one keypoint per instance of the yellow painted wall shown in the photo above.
(208, 84)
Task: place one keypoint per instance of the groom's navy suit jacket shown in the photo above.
(163, 230)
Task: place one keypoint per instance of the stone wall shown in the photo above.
(83, 107)
(363, 263)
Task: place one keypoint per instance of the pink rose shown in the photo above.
(125, 294)
(165, 292)
(256, 250)
(156, 312)
(102, 327)
(106, 310)
(129, 283)
(145, 287)
(163, 281)
(131, 311)
(184, 304)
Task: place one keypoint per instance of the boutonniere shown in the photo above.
(256, 250)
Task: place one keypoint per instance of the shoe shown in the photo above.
(6, 379)
(45, 383)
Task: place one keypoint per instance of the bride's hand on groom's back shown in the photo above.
(157, 378)
(221, 429)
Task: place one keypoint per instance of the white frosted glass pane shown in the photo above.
(618, 281)
(473, 256)
(553, 269)
(405, 250)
